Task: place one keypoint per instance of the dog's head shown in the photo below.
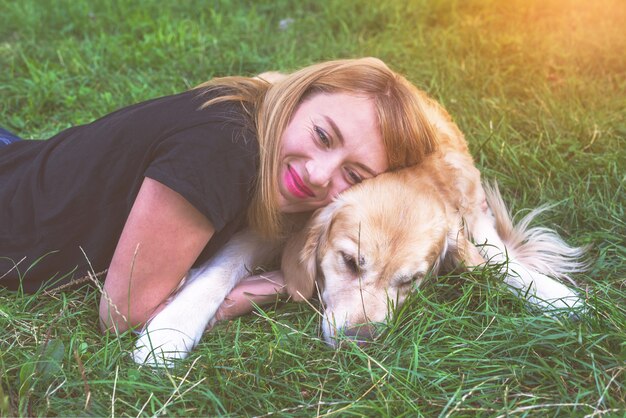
(369, 248)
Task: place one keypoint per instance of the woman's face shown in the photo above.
(332, 142)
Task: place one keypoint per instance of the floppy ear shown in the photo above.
(271, 77)
(299, 260)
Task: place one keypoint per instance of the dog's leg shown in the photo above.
(174, 331)
(536, 287)
(521, 252)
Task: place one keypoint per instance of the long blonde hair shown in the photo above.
(406, 133)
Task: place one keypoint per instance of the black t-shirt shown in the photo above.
(72, 193)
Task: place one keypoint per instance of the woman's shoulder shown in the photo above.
(187, 108)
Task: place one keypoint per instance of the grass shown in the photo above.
(539, 88)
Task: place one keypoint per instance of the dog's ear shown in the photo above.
(271, 77)
(299, 260)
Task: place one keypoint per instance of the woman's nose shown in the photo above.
(320, 172)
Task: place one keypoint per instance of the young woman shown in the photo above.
(150, 190)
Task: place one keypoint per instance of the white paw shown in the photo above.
(165, 340)
(162, 347)
(547, 293)
(559, 299)
(573, 302)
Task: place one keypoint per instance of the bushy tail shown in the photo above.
(539, 248)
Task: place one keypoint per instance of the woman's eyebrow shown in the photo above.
(340, 138)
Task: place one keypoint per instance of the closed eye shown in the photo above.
(350, 263)
(353, 176)
(322, 136)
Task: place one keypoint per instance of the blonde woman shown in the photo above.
(153, 189)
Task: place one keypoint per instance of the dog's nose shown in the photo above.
(361, 334)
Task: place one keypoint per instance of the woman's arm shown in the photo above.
(163, 236)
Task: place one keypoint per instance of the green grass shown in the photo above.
(539, 88)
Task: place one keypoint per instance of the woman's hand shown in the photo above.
(163, 236)
(260, 289)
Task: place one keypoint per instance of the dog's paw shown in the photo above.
(169, 336)
(162, 347)
(567, 304)
(573, 303)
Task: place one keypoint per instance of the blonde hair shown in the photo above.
(407, 135)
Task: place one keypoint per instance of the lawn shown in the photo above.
(538, 87)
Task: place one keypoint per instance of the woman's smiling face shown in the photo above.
(331, 143)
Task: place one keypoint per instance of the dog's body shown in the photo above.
(375, 243)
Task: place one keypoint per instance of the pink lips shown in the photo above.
(295, 185)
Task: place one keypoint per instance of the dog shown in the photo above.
(379, 240)
(374, 244)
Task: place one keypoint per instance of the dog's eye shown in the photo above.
(351, 263)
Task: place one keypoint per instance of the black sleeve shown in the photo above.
(212, 165)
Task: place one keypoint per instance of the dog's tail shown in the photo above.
(539, 248)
